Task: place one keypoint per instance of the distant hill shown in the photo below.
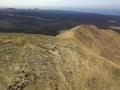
(50, 22)
(105, 43)
(83, 58)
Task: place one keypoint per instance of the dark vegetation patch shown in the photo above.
(50, 22)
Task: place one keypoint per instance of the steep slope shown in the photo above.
(36, 62)
(105, 43)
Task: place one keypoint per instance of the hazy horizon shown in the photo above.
(108, 7)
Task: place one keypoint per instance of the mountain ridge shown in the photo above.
(39, 62)
(105, 43)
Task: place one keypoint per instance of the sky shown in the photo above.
(104, 6)
(61, 3)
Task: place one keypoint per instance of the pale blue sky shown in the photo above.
(61, 3)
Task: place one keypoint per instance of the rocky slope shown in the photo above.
(73, 60)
